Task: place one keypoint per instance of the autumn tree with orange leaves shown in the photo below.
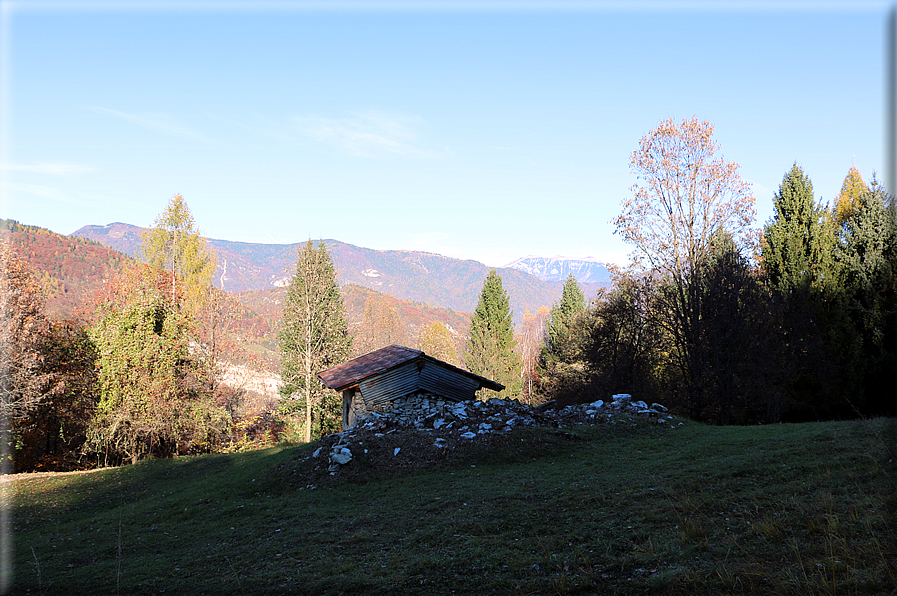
(686, 194)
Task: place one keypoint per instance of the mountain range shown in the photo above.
(428, 278)
(586, 270)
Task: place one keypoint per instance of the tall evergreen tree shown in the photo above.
(490, 347)
(314, 336)
(175, 244)
(798, 249)
(799, 241)
(868, 255)
(562, 333)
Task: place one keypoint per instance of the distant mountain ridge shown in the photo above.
(71, 269)
(433, 279)
(587, 270)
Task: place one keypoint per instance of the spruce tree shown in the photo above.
(490, 347)
(561, 333)
(314, 336)
(799, 240)
(868, 255)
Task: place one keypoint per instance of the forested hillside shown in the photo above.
(69, 270)
(365, 309)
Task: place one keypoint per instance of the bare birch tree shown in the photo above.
(529, 344)
(686, 194)
(381, 325)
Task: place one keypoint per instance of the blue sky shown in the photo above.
(476, 130)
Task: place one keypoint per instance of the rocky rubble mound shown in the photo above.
(444, 425)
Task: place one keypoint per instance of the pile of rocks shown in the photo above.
(448, 422)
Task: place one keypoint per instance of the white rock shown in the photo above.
(396, 451)
(597, 404)
(640, 405)
(438, 423)
(343, 456)
(468, 435)
(317, 452)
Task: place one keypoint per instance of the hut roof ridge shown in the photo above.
(379, 361)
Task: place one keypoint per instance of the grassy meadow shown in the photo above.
(626, 507)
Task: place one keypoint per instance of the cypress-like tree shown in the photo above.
(314, 336)
(490, 347)
(798, 249)
(798, 242)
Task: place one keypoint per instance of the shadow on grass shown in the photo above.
(614, 508)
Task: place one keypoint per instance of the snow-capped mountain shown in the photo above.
(587, 270)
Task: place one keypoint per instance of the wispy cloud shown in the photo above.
(56, 169)
(368, 134)
(38, 190)
(156, 122)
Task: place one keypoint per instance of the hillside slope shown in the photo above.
(414, 316)
(68, 269)
(622, 507)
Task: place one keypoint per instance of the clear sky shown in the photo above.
(487, 131)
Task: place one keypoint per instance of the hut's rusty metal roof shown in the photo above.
(354, 371)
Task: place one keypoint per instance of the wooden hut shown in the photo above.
(399, 377)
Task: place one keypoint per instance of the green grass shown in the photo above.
(625, 508)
